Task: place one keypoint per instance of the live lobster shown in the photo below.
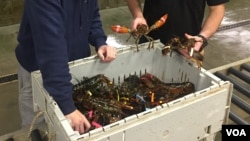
(103, 102)
(177, 43)
(141, 30)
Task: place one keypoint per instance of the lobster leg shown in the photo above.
(151, 41)
(137, 42)
(129, 37)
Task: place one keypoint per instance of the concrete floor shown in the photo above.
(224, 47)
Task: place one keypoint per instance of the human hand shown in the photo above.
(107, 53)
(138, 21)
(198, 41)
(78, 121)
(195, 49)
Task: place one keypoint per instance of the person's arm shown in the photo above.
(46, 22)
(136, 11)
(46, 18)
(213, 20)
(211, 24)
(97, 38)
(135, 8)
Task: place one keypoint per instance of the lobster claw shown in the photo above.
(160, 22)
(120, 29)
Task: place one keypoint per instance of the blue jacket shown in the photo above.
(54, 32)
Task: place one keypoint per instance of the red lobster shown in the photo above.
(141, 30)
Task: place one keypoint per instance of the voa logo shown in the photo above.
(236, 132)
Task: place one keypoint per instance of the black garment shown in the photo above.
(184, 16)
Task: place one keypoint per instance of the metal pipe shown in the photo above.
(246, 67)
(239, 102)
(239, 74)
(239, 24)
(235, 83)
(237, 119)
(8, 78)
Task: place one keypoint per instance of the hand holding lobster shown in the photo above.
(141, 30)
(186, 47)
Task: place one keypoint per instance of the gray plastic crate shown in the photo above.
(194, 117)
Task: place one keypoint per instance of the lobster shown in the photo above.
(177, 43)
(103, 102)
(141, 30)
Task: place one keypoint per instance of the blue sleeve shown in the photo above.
(97, 36)
(48, 30)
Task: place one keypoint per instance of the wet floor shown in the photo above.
(225, 47)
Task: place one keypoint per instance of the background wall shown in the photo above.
(10, 12)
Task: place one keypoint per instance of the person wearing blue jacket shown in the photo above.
(53, 33)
